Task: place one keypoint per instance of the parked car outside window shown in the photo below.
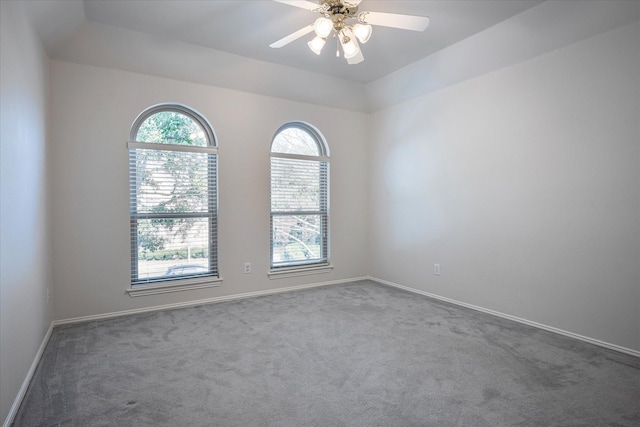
(181, 270)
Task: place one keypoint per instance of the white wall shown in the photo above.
(24, 241)
(524, 185)
(91, 119)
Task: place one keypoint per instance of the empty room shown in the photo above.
(320, 213)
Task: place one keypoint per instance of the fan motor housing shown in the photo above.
(339, 10)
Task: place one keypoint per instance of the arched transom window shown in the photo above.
(173, 196)
(299, 197)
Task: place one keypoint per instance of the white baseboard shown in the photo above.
(25, 384)
(604, 344)
(201, 302)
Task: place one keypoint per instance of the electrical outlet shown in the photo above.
(436, 269)
(247, 268)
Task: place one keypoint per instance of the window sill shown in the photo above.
(282, 273)
(174, 286)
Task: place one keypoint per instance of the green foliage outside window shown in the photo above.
(170, 182)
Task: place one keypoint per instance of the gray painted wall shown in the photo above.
(524, 185)
(24, 241)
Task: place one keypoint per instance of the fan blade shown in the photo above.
(394, 20)
(291, 37)
(356, 59)
(304, 4)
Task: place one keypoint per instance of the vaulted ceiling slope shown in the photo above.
(225, 43)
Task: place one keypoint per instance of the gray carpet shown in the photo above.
(359, 354)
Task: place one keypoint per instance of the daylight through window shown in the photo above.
(299, 197)
(173, 196)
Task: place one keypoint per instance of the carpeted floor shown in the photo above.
(359, 354)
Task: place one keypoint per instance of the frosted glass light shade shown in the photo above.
(350, 47)
(362, 32)
(323, 27)
(317, 44)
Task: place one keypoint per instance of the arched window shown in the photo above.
(173, 197)
(299, 198)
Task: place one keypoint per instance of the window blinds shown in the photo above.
(299, 210)
(173, 211)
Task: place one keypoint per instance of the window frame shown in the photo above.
(165, 284)
(303, 267)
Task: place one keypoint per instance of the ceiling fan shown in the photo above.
(349, 26)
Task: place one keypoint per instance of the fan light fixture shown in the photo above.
(341, 18)
(335, 14)
(349, 44)
(317, 44)
(323, 27)
(362, 32)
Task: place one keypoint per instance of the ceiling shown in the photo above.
(247, 27)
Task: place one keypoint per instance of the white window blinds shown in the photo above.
(173, 199)
(299, 200)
